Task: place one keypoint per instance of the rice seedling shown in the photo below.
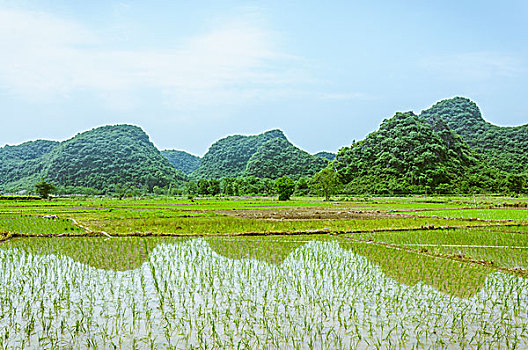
(492, 237)
(225, 293)
(143, 222)
(405, 285)
(31, 224)
(505, 257)
(209, 216)
(483, 214)
(505, 247)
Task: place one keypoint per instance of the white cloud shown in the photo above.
(45, 57)
(474, 66)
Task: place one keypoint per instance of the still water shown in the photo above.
(267, 292)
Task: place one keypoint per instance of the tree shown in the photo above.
(44, 189)
(203, 187)
(229, 186)
(190, 188)
(158, 190)
(121, 190)
(326, 182)
(214, 187)
(285, 187)
(302, 187)
(516, 183)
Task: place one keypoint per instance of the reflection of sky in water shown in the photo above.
(186, 293)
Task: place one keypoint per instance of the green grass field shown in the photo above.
(213, 216)
(259, 273)
(483, 214)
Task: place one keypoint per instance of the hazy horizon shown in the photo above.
(192, 73)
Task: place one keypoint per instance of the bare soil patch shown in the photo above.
(310, 213)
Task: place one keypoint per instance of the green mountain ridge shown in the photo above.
(22, 164)
(267, 155)
(503, 147)
(405, 155)
(229, 156)
(448, 148)
(103, 158)
(29, 150)
(324, 154)
(278, 157)
(181, 160)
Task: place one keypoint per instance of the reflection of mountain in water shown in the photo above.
(118, 254)
(129, 253)
(447, 276)
(188, 291)
(122, 254)
(267, 249)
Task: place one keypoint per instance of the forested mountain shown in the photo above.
(278, 157)
(22, 163)
(27, 150)
(102, 158)
(267, 155)
(228, 157)
(324, 154)
(406, 155)
(448, 148)
(182, 160)
(110, 155)
(505, 148)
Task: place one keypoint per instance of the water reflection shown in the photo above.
(118, 254)
(273, 250)
(448, 276)
(185, 294)
(130, 253)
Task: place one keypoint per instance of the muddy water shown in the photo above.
(249, 293)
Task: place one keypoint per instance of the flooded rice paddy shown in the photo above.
(295, 292)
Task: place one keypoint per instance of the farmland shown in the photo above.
(258, 273)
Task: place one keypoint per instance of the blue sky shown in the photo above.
(191, 72)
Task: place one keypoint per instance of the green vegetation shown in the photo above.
(247, 186)
(327, 155)
(326, 182)
(409, 268)
(208, 187)
(278, 157)
(409, 154)
(144, 270)
(35, 225)
(406, 155)
(475, 236)
(192, 224)
(104, 159)
(227, 217)
(285, 187)
(228, 157)
(501, 147)
(220, 293)
(181, 160)
(270, 249)
(44, 189)
(499, 247)
(21, 165)
(342, 274)
(483, 214)
(268, 155)
(447, 149)
(123, 254)
(108, 156)
(26, 151)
